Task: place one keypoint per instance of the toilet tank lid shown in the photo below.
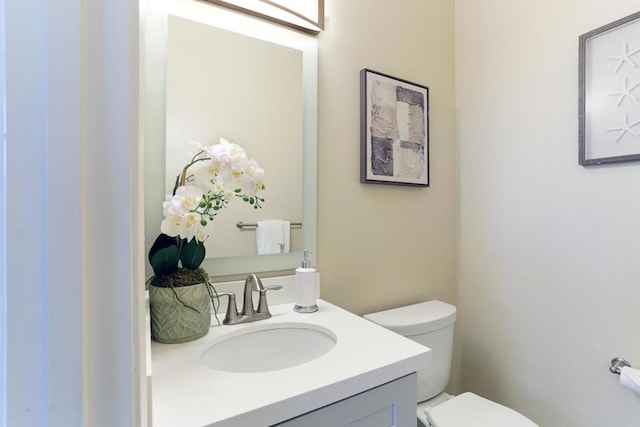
(416, 318)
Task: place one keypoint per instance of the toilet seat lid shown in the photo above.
(469, 409)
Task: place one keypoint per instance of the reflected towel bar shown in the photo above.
(241, 225)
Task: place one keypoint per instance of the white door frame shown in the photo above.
(71, 334)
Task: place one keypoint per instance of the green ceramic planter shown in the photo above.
(179, 314)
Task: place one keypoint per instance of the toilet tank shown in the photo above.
(429, 323)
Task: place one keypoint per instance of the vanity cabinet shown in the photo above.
(366, 380)
(389, 405)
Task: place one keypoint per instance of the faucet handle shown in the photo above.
(231, 317)
(263, 307)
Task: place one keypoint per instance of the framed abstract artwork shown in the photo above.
(394, 130)
(609, 93)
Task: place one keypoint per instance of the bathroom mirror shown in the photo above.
(248, 91)
(264, 81)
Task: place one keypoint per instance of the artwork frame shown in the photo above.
(609, 93)
(394, 130)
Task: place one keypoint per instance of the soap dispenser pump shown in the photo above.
(305, 287)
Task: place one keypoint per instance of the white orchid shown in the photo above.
(182, 215)
(222, 172)
(183, 201)
(252, 178)
(215, 176)
(225, 151)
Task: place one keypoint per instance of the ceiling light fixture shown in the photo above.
(302, 15)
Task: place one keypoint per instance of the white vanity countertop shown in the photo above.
(188, 393)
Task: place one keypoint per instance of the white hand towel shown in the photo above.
(286, 236)
(272, 237)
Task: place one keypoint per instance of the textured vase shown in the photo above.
(179, 314)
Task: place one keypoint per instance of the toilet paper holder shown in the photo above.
(617, 364)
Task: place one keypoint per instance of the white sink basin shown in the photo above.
(269, 347)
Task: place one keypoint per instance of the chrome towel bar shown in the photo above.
(241, 225)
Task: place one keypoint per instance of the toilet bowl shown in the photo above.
(430, 323)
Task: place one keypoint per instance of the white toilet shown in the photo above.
(431, 324)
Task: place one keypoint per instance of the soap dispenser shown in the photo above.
(305, 287)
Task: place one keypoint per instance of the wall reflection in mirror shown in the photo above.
(249, 91)
(225, 75)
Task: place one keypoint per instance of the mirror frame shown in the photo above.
(154, 128)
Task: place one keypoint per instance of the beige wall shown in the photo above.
(381, 246)
(548, 274)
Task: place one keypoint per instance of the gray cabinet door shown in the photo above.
(389, 405)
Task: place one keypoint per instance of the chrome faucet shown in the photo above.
(249, 313)
(251, 283)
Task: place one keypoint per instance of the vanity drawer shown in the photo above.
(389, 405)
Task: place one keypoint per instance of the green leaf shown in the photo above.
(192, 254)
(165, 260)
(161, 242)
